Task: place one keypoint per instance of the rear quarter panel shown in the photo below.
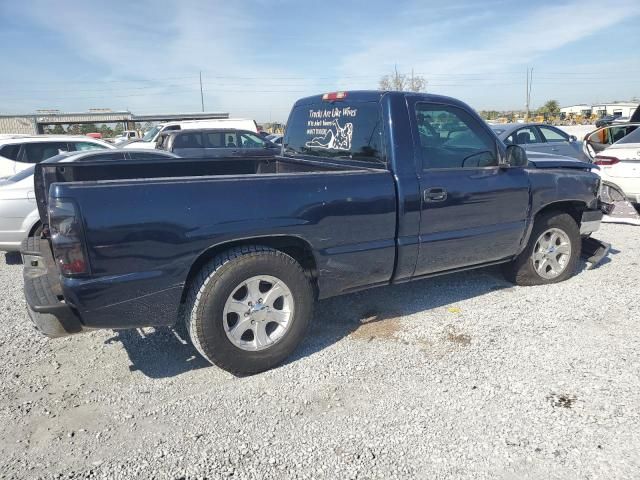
(143, 236)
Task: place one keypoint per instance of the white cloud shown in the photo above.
(160, 43)
(487, 43)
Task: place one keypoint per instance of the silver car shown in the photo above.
(539, 137)
(19, 216)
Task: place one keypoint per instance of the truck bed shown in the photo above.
(146, 224)
(49, 173)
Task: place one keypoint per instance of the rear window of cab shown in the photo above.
(340, 130)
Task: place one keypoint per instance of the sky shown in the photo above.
(257, 57)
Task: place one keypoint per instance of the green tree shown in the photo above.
(73, 129)
(106, 131)
(552, 107)
(88, 128)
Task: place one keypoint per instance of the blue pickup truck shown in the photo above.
(370, 188)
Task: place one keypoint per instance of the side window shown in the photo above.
(553, 135)
(86, 146)
(618, 133)
(10, 151)
(188, 140)
(230, 140)
(525, 136)
(248, 140)
(39, 151)
(215, 140)
(452, 138)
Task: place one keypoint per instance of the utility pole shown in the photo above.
(528, 91)
(201, 94)
(526, 98)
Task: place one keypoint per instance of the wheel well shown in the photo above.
(36, 225)
(573, 208)
(295, 247)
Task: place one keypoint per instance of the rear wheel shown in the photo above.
(248, 309)
(552, 252)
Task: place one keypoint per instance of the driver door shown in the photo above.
(472, 210)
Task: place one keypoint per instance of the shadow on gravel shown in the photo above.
(159, 352)
(165, 352)
(582, 264)
(338, 317)
(13, 258)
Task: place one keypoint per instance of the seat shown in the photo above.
(231, 145)
(523, 138)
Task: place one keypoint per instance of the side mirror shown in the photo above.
(516, 156)
(573, 138)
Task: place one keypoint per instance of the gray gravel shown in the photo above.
(462, 376)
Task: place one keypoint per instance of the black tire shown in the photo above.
(521, 271)
(214, 284)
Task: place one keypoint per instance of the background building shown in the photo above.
(621, 109)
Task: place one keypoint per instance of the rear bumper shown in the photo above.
(590, 222)
(45, 303)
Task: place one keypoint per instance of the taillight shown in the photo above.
(602, 160)
(66, 237)
(332, 97)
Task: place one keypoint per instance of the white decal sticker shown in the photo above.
(324, 126)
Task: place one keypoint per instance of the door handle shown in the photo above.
(436, 194)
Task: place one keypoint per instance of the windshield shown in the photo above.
(341, 130)
(151, 134)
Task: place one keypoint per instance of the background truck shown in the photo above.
(371, 188)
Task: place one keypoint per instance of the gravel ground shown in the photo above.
(463, 376)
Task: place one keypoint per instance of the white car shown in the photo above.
(18, 152)
(19, 216)
(150, 137)
(620, 165)
(126, 136)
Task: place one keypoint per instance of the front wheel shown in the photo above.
(552, 253)
(248, 309)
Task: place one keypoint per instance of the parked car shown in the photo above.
(213, 143)
(602, 138)
(538, 137)
(606, 120)
(127, 135)
(19, 152)
(149, 139)
(372, 188)
(620, 165)
(19, 216)
(275, 138)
